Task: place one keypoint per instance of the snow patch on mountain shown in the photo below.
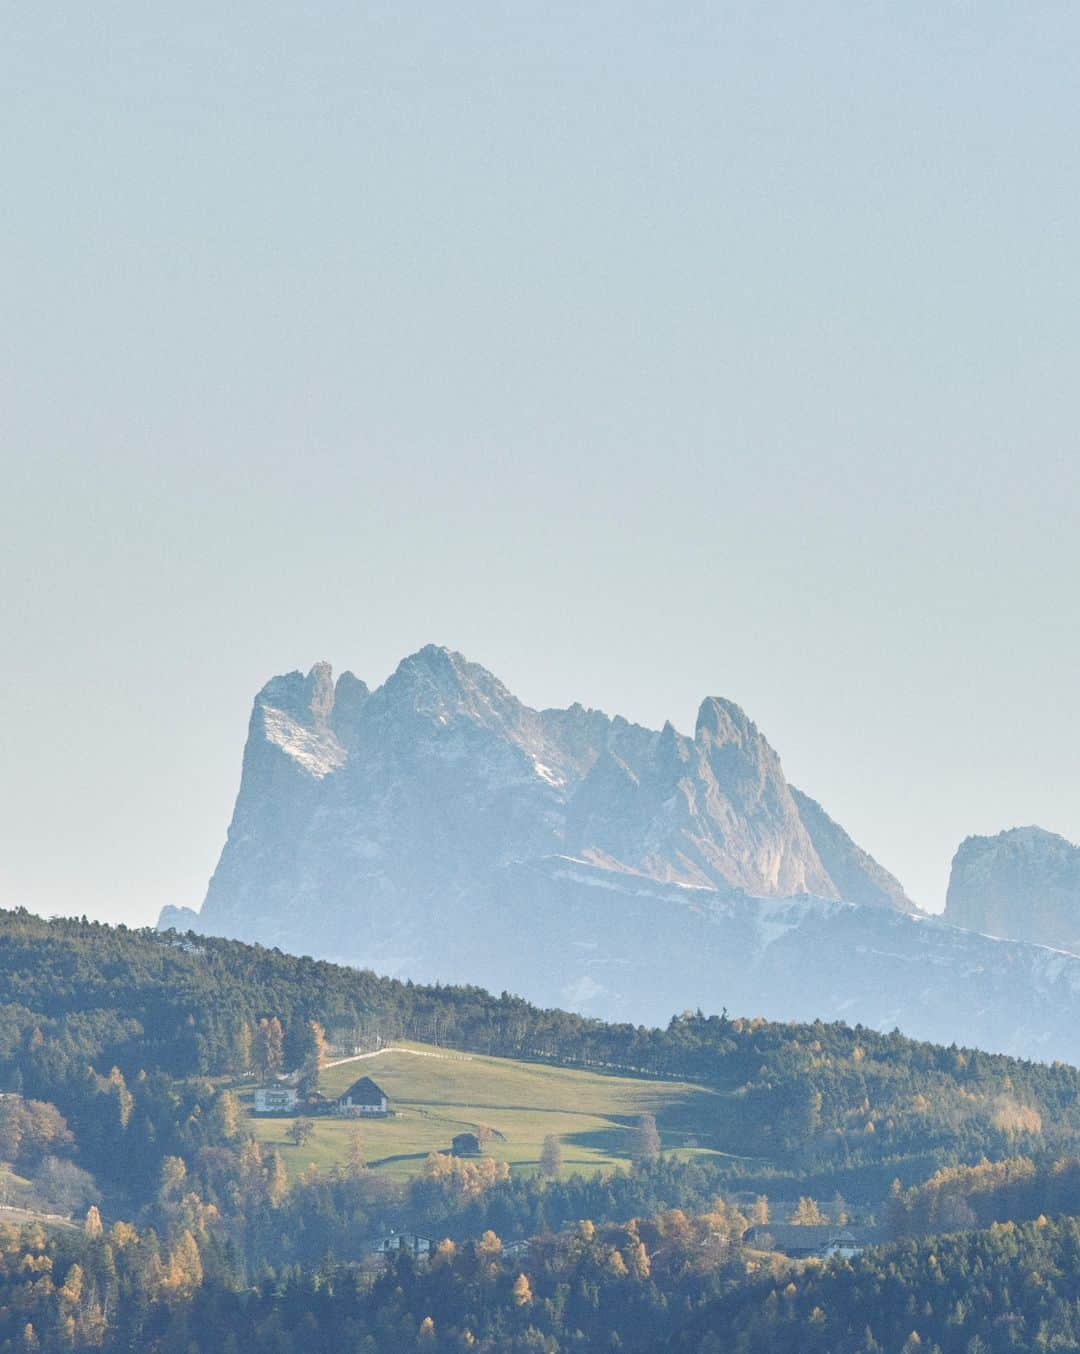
(317, 752)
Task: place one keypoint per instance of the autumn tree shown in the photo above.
(226, 1116)
(616, 1265)
(71, 1291)
(277, 1181)
(807, 1213)
(444, 1255)
(122, 1235)
(30, 1130)
(637, 1260)
(125, 1101)
(184, 1272)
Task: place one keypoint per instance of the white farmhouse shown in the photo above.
(275, 1099)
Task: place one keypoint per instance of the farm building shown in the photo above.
(403, 1241)
(800, 1240)
(275, 1099)
(363, 1097)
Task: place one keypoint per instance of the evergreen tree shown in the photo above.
(268, 1048)
(355, 1156)
(312, 1056)
(646, 1140)
(551, 1157)
(240, 1060)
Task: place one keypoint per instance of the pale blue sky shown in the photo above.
(641, 352)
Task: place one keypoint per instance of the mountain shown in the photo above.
(629, 948)
(438, 828)
(362, 806)
(1023, 883)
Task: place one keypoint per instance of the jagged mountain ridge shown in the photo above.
(438, 828)
(354, 797)
(1023, 884)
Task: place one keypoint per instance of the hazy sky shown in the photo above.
(641, 352)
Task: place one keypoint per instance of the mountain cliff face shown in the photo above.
(438, 828)
(1023, 884)
(856, 876)
(361, 807)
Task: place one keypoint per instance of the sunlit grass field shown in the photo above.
(437, 1093)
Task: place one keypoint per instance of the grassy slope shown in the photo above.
(18, 1204)
(437, 1093)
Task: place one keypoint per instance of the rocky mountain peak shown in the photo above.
(319, 692)
(673, 749)
(284, 692)
(721, 722)
(291, 719)
(439, 684)
(350, 697)
(357, 804)
(1023, 883)
(740, 756)
(307, 698)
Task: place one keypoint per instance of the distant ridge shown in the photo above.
(438, 828)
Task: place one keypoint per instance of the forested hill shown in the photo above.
(123, 1055)
(1008, 1288)
(80, 998)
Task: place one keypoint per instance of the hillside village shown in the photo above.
(800, 1229)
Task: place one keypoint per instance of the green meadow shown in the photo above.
(436, 1093)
